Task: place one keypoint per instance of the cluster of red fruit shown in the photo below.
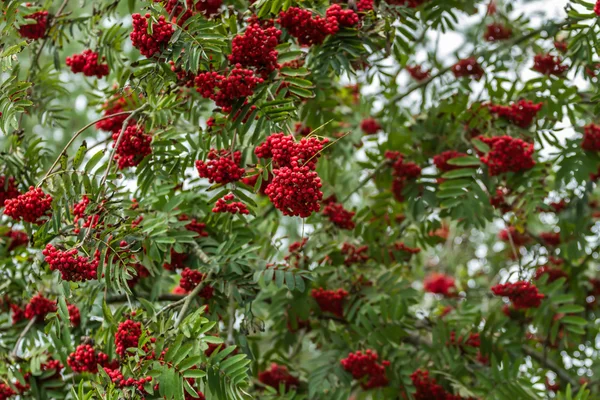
(402, 171)
(113, 106)
(370, 126)
(340, 217)
(120, 381)
(16, 239)
(221, 167)
(150, 44)
(226, 205)
(74, 314)
(191, 278)
(133, 147)
(194, 226)
(87, 62)
(277, 375)
(366, 368)
(522, 294)
(354, 254)
(428, 389)
(507, 155)
(256, 48)
(553, 273)
(91, 221)
(418, 73)
(512, 234)
(226, 90)
(296, 187)
(72, 267)
(38, 307)
(548, 64)
(127, 336)
(591, 138)
(441, 160)
(30, 207)
(36, 30)
(551, 239)
(330, 300)
(440, 284)
(521, 113)
(468, 67)
(86, 359)
(8, 189)
(497, 31)
(205, 7)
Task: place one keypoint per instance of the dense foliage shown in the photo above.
(225, 199)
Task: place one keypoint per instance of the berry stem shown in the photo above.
(190, 296)
(22, 335)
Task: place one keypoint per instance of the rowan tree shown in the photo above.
(267, 199)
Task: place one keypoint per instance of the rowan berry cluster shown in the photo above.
(39, 306)
(17, 313)
(511, 234)
(87, 62)
(30, 207)
(347, 18)
(370, 126)
(339, 216)
(403, 172)
(91, 221)
(441, 160)
(150, 44)
(548, 64)
(366, 368)
(428, 389)
(521, 113)
(74, 314)
(497, 31)
(277, 375)
(440, 284)
(285, 152)
(113, 106)
(86, 359)
(591, 138)
(551, 238)
(194, 226)
(221, 167)
(72, 267)
(120, 381)
(553, 273)
(474, 340)
(256, 48)
(226, 205)
(177, 261)
(364, 5)
(400, 246)
(206, 7)
(52, 365)
(6, 392)
(507, 155)
(8, 189)
(418, 73)
(305, 27)
(522, 294)
(191, 278)
(36, 30)
(127, 336)
(468, 67)
(498, 200)
(239, 84)
(354, 254)
(597, 8)
(330, 300)
(133, 147)
(16, 239)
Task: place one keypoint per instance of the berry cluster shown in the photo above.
(239, 84)
(206, 7)
(285, 152)
(8, 189)
(150, 44)
(127, 336)
(276, 375)
(591, 138)
(340, 217)
(400, 246)
(305, 27)
(221, 167)
(597, 8)
(226, 205)
(366, 368)
(74, 314)
(256, 48)
(441, 160)
(87, 62)
(52, 365)
(301, 129)
(496, 31)
(85, 359)
(507, 155)
(551, 239)
(31, 206)
(355, 255)
(133, 147)
(347, 18)
(370, 126)
(548, 65)
(521, 113)
(553, 273)
(364, 5)
(468, 67)
(402, 173)
(330, 300)
(521, 294)
(440, 284)
(191, 278)
(177, 261)
(113, 106)
(91, 221)
(119, 380)
(39, 307)
(295, 191)
(418, 73)
(428, 389)
(498, 200)
(6, 392)
(194, 226)
(72, 267)
(16, 239)
(36, 30)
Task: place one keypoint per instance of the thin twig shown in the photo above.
(551, 365)
(365, 181)
(190, 297)
(22, 336)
